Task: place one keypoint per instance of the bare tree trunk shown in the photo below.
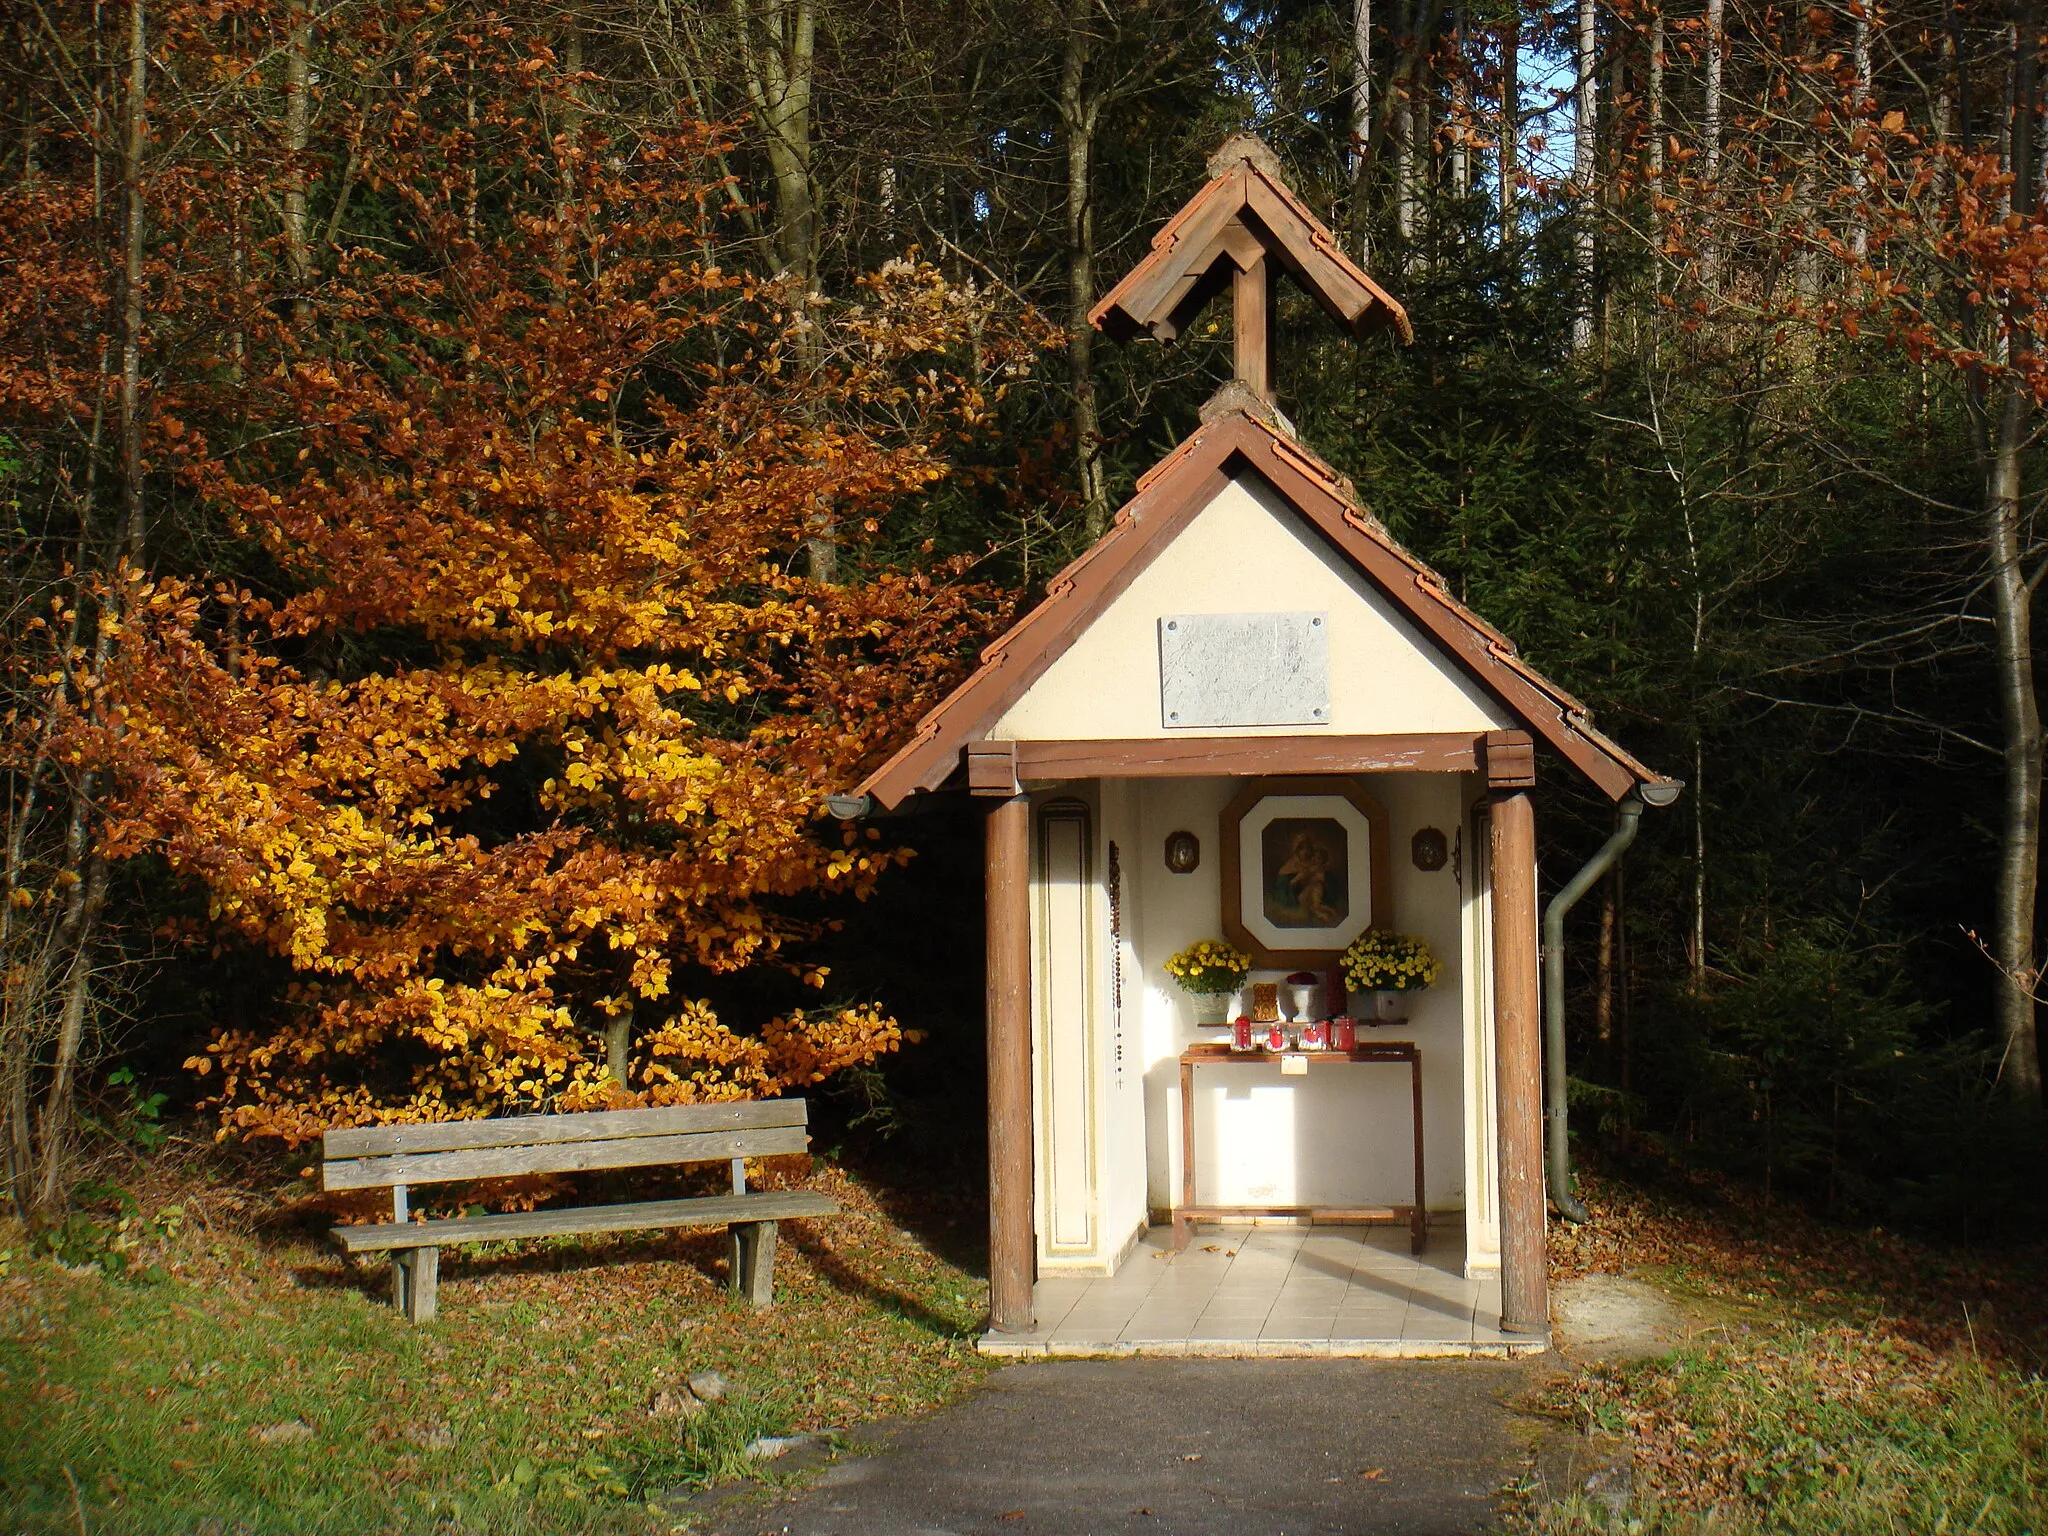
(2009, 129)
(2020, 714)
(1859, 235)
(28, 47)
(1944, 113)
(20, 1142)
(1510, 152)
(135, 129)
(1657, 136)
(1710, 126)
(26, 963)
(83, 924)
(1806, 219)
(238, 259)
(1361, 124)
(20, 1031)
(298, 138)
(1585, 174)
(618, 1037)
(26, 999)
(1080, 112)
(1710, 113)
(1407, 81)
(779, 41)
(84, 879)
(568, 146)
(469, 185)
(68, 949)
(2012, 610)
(1656, 109)
(1461, 112)
(780, 46)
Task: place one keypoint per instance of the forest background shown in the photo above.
(479, 476)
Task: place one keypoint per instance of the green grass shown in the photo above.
(137, 1402)
(1814, 1430)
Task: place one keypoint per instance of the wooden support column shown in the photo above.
(1518, 1046)
(1011, 1247)
(1251, 323)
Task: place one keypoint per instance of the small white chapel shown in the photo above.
(1248, 744)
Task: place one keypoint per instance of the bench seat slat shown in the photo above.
(710, 1211)
(560, 1157)
(544, 1130)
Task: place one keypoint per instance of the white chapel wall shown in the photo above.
(1087, 1094)
(1248, 552)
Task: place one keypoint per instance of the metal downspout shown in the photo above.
(1556, 1129)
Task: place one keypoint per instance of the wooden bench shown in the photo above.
(400, 1156)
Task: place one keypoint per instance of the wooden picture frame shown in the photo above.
(1321, 840)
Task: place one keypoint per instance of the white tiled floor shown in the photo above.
(1273, 1290)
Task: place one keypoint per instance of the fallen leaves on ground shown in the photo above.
(1730, 1243)
(1863, 1380)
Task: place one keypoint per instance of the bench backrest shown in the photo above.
(373, 1157)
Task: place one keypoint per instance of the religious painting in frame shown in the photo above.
(1305, 869)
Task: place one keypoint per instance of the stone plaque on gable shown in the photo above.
(1231, 669)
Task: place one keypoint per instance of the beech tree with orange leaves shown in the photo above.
(520, 721)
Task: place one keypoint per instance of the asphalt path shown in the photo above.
(1178, 1448)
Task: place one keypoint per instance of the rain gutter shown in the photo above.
(1556, 1129)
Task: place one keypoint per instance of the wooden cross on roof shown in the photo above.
(1242, 229)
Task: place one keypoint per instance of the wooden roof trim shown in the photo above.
(1163, 504)
(1487, 655)
(1244, 193)
(1181, 255)
(1167, 498)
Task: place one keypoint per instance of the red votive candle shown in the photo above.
(1346, 1034)
(1241, 1033)
(1276, 1037)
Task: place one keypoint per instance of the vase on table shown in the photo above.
(1214, 1009)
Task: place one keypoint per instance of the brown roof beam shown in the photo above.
(1246, 756)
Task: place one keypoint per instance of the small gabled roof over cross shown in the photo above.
(1244, 224)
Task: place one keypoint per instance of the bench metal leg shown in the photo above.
(415, 1279)
(753, 1262)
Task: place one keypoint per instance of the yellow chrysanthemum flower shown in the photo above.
(1209, 966)
(1394, 962)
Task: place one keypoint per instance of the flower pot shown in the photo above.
(1214, 1008)
(1382, 1006)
